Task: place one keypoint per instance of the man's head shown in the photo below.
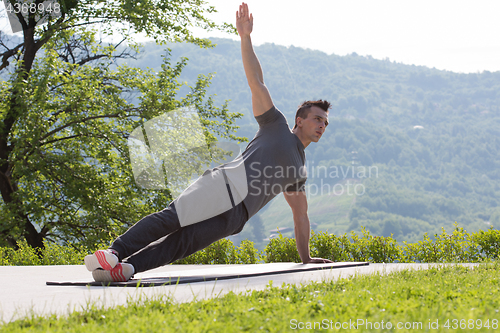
(304, 109)
(311, 120)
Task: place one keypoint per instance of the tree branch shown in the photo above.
(116, 115)
(61, 139)
(7, 54)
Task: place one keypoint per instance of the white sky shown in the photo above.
(455, 35)
(458, 35)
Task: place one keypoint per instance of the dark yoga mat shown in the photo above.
(207, 273)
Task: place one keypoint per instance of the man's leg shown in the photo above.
(141, 234)
(187, 240)
(149, 229)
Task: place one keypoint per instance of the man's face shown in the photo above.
(315, 124)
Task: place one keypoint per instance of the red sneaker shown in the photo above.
(104, 259)
(122, 272)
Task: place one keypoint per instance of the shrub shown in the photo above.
(489, 243)
(25, 255)
(373, 248)
(330, 246)
(247, 252)
(51, 254)
(456, 247)
(281, 249)
(365, 248)
(459, 246)
(224, 252)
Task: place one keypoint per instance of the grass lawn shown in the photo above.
(442, 299)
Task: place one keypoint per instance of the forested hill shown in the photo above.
(433, 136)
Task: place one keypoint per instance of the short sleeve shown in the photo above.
(271, 116)
(297, 187)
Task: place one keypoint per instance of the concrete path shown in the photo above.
(24, 292)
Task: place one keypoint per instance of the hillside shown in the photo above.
(431, 137)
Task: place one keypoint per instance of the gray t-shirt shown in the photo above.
(274, 161)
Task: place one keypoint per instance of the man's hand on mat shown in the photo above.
(318, 261)
(244, 21)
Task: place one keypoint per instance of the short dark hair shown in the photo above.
(305, 107)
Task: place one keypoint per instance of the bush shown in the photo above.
(373, 248)
(459, 246)
(489, 242)
(281, 249)
(326, 245)
(224, 252)
(51, 254)
(248, 254)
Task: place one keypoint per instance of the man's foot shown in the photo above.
(104, 259)
(122, 272)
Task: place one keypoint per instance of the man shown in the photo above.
(222, 200)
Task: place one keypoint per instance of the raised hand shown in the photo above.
(244, 21)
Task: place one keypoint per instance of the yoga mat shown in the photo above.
(210, 273)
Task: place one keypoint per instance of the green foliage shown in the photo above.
(23, 256)
(373, 248)
(281, 249)
(336, 248)
(66, 112)
(70, 161)
(488, 241)
(326, 245)
(224, 252)
(460, 246)
(457, 247)
(50, 254)
(248, 254)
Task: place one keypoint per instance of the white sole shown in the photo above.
(101, 259)
(121, 273)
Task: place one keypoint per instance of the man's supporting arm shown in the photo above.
(261, 99)
(298, 204)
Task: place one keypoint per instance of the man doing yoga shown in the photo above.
(222, 200)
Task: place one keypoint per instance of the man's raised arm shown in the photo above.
(261, 99)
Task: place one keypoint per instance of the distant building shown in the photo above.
(280, 230)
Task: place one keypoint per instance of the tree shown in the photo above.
(65, 115)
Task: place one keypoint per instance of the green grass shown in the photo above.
(438, 294)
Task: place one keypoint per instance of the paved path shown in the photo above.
(24, 291)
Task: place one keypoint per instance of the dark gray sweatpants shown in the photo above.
(158, 239)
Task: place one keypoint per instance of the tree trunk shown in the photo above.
(16, 110)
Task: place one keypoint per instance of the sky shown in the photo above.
(459, 36)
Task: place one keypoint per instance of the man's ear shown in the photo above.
(298, 121)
